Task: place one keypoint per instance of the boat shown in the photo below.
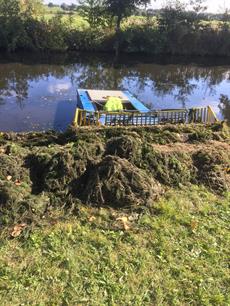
(95, 100)
(91, 111)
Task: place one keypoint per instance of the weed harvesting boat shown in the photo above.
(96, 107)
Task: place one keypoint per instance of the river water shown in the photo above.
(39, 92)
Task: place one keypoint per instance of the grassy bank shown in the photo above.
(175, 254)
(115, 216)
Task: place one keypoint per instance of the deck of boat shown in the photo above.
(94, 100)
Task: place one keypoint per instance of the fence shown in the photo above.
(193, 115)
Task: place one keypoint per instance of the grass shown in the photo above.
(176, 253)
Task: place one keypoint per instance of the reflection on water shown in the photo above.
(40, 93)
(224, 107)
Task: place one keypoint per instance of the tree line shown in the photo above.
(110, 27)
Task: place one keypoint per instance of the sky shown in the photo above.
(214, 6)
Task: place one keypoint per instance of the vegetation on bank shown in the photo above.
(177, 254)
(173, 31)
(116, 216)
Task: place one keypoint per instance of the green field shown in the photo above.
(73, 17)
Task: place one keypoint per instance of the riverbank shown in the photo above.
(115, 216)
(176, 36)
(175, 254)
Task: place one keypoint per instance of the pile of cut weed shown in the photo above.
(127, 147)
(114, 167)
(117, 182)
(171, 169)
(213, 169)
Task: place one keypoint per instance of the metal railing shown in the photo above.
(134, 118)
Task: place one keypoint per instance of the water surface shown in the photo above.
(39, 92)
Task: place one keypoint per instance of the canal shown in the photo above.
(39, 92)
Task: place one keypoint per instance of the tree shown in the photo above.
(64, 6)
(121, 9)
(93, 11)
(198, 6)
(72, 7)
(51, 4)
(224, 107)
(9, 8)
(225, 13)
(20, 8)
(31, 8)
